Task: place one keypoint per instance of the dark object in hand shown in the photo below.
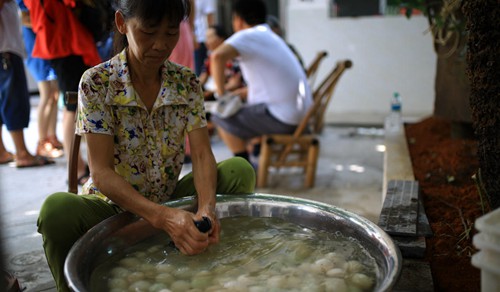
(203, 225)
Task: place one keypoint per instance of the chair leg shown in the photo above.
(312, 162)
(265, 156)
(73, 165)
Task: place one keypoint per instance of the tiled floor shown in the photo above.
(350, 176)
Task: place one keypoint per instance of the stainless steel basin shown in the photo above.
(124, 230)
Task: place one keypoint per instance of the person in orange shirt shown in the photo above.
(71, 49)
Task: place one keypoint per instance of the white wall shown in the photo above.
(389, 53)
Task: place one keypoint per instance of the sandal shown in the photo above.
(82, 179)
(55, 142)
(47, 149)
(37, 161)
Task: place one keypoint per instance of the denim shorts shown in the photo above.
(14, 95)
(253, 121)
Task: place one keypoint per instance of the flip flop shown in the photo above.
(37, 161)
(84, 177)
(8, 160)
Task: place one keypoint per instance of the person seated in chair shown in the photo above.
(215, 37)
(278, 92)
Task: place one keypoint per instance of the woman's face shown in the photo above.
(149, 45)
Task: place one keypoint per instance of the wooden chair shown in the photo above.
(71, 97)
(312, 70)
(300, 149)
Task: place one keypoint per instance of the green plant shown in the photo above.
(446, 22)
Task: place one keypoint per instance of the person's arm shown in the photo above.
(218, 60)
(176, 222)
(205, 178)
(192, 24)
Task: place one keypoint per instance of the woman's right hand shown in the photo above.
(179, 224)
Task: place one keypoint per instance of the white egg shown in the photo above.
(245, 280)
(335, 285)
(164, 278)
(164, 268)
(139, 286)
(257, 289)
(135, 276)
(139, 255)
(117, 283)
(201, 281)
(154, 248)
(336, 273)
(276, 282)
(180, 286)
(157, 287)
(362, 281)
(120, 272)
(130, 262)
(324, 264)
(353, 267)
(183, 273)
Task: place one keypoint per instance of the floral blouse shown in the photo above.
(149, 146)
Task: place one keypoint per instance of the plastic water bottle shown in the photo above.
(393, 122)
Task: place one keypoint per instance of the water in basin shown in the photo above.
(254, 254)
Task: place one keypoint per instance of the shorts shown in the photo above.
(40, 69)
(253, 121)
(69, 71)
(14, 95)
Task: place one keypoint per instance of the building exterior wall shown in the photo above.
(389, 53)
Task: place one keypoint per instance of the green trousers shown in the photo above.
(65, 217)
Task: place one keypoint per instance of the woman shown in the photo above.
(134, 111)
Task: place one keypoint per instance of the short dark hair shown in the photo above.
(252, 12)
(219, 31)
(151, 12)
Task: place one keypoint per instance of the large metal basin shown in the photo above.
(121, 231)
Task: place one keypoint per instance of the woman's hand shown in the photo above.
(179, 224)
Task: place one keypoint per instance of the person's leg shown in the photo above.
(23, 157)
(43, 110)
(5, 156)
(46, 113)
(69, 71)
(63, 219)
(200, 55)
(235, 144)
(234, 176)
(236, 130)
(15, 107)
(52, 127)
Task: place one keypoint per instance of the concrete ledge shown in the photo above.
(397, 162)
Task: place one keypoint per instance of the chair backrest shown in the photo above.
(312, 70)
(323, 95)
(71, 98)
(313, 122)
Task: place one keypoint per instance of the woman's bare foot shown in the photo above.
(6, 157)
